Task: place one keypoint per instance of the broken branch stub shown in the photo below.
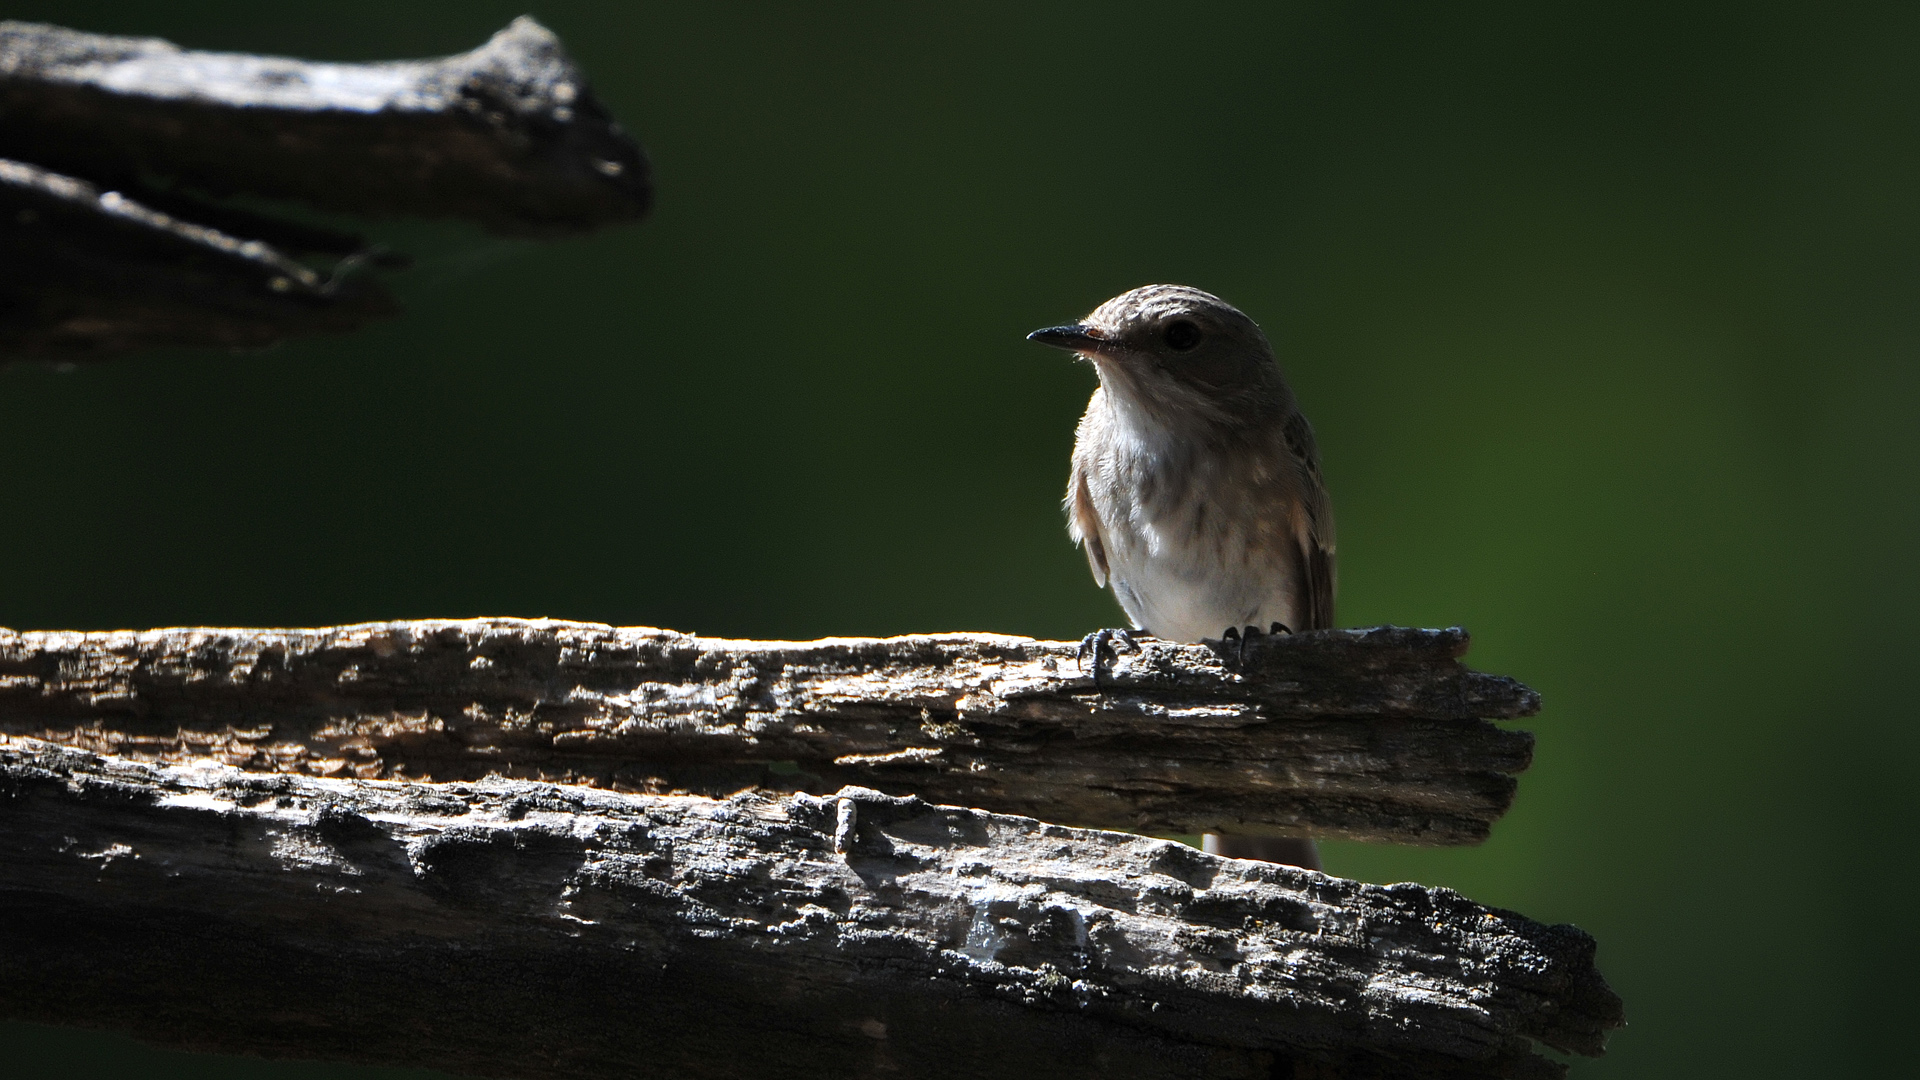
(1370, 734)
(509, 134)
(514, 928)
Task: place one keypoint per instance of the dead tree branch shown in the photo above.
(509, 134)
(110, 147)
(1372, 734)
(514, 928)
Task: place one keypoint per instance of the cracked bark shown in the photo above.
(517, 928)
(1369, 734)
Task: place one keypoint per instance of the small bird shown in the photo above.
(1196, 487)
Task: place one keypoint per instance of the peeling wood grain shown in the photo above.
(1370, 734)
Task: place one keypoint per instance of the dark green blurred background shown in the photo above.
(1607, 315)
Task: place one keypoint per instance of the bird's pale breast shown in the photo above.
(1194, 536)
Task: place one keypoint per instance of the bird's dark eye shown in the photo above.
(1181, 335)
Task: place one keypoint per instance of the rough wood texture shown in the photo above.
(1371, 734)
(509, 134)
(514, 928)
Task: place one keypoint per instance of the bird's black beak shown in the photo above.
(1075, 338)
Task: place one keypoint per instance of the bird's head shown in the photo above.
(1178, 353)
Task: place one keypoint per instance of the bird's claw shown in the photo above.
(1242, 636)
(1097, 644)
(1238, 637)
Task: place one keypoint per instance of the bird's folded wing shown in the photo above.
(1083, 524)
(1312, 527)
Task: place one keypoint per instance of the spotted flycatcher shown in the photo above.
(1196, 487)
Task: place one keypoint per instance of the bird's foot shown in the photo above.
(1239, 637)
(1097, 644)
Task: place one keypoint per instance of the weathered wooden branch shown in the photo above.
(514, 928)
(110, 145)
(509, 134)
(1372, 734)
